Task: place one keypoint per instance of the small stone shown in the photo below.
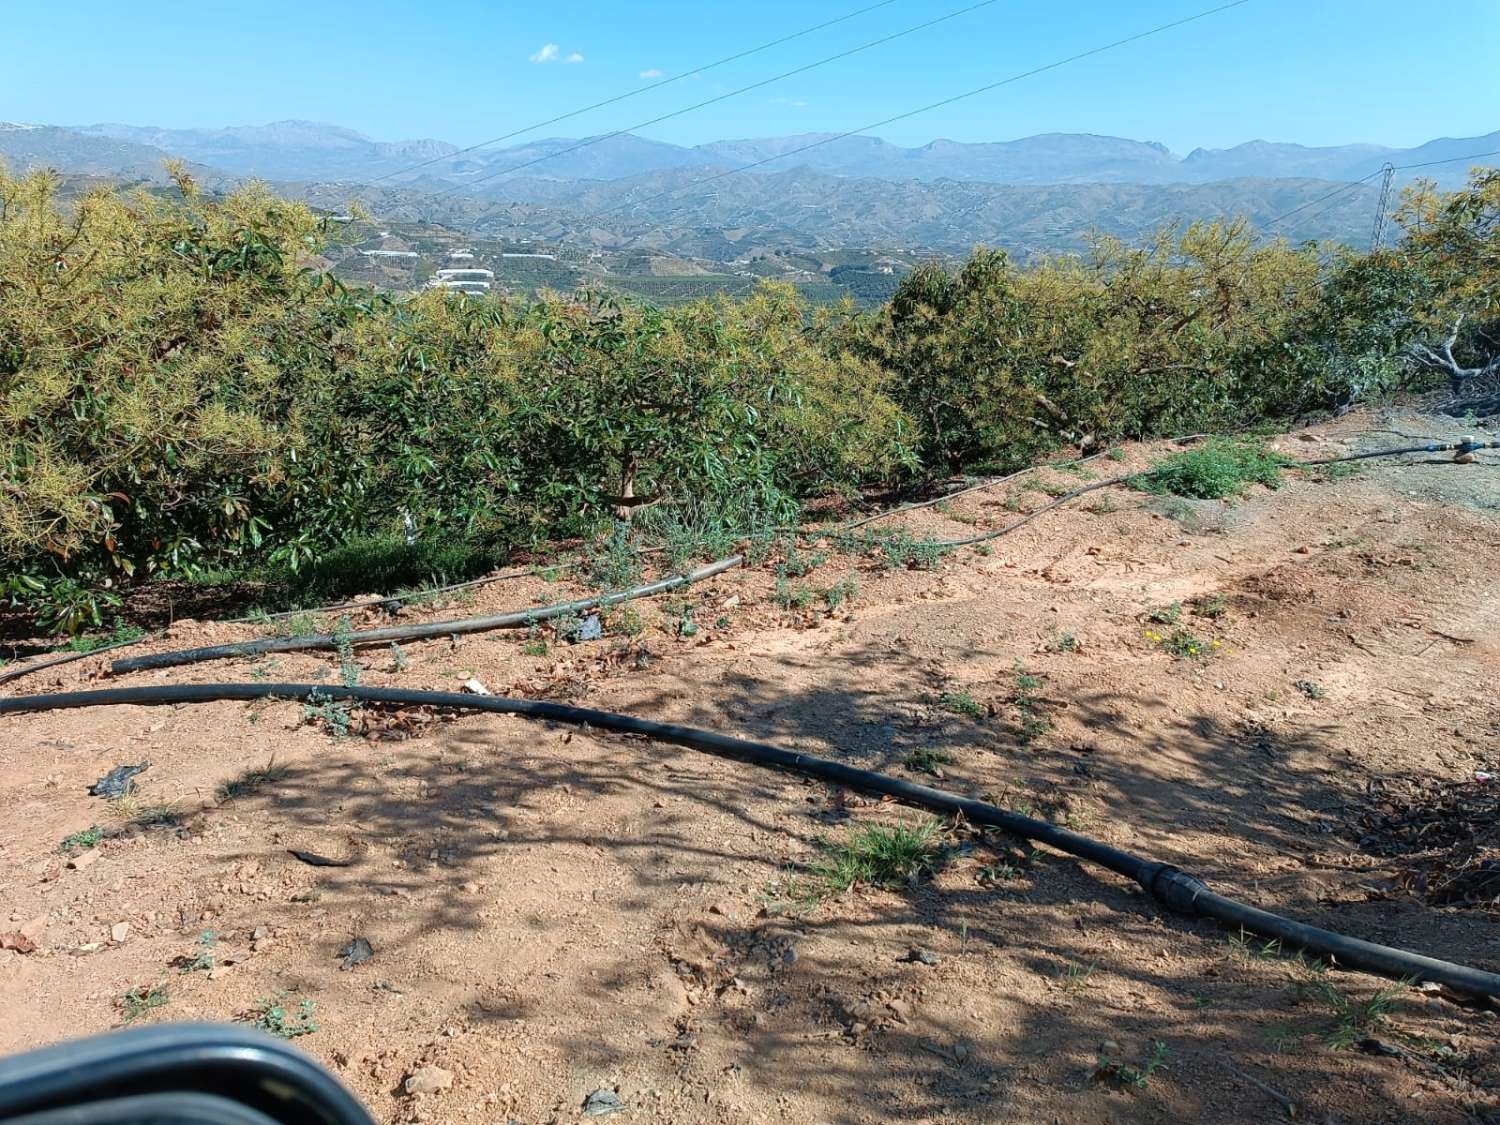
(428, 1080)
(260, 933)
(730, 602)
(601, 1103)
(36, 929)
(920, 956)
(1109, 1047)
(470, 888)
(119, 932)
(722, 909)
(82, 860)
(474, 687)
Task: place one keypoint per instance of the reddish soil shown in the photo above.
(553, 910)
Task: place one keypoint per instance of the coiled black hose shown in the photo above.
(514, 620)
(1172, 887)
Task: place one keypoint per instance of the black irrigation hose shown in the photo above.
(513, 620)
(1168, 885)
(1462, 448)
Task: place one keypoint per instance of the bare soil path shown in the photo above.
(554, 911)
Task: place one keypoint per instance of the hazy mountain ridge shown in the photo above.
(302, 150)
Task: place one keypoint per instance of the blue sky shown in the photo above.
(1309, 71)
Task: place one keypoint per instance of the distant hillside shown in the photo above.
(282, 150)
(738, 216)
(24, 148)
(304, 150)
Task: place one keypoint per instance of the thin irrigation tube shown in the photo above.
(1168, 885)
(1461, 447)
(515, 619)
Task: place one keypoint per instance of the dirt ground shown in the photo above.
(554, 911)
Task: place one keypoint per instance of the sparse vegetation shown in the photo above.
(961, 703)
(1134, 1076)
(202, 959)
(253, 781)
(139, 1002)
(272, 1016)
(1219, 469)
(77, 841)
(928, 761)
(892, 856)
(1309, 689)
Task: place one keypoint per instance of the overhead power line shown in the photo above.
(638, 90)
(1343, 188)
(929, 107)
(591, 141)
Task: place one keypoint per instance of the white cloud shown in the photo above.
(552, 53)
(652, 73)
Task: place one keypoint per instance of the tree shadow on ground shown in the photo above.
(511, 831)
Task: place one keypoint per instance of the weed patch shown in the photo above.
(961, 703)
(1220, 469)
(892, 856)
(139, 1002)
(272, 1016)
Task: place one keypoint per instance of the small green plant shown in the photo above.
(892, 856)
(1166, 615)
(984, 550)
(1219, 469)
(1353, 1020)
(534, 646)
(139, 1001)
(997, 873)
(1134, 1077)
(348, 668)
(299, 625)
(1115, 453)
(798, 565)
(1075, 976)
(927, 761)
(271, 1016)
(961, 703)
(1343, 470)
(790, 597)
(332, 713)
(202, 959)
(615, 562)
(121, 633)
(398, 658)
(1067, 643)
(1035, 721)
(1212, 607)
(88, 838)
(1183, 644)
(626, 620)
(844, 590)
(1309, 689)
(253, 780)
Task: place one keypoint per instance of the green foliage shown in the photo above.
(961, 703)
(183, 394)
(202, 959)
(924, 760)
(334, 714)
(892, 856)
(1218, 469)
(88, 838)
(844, 590)
(138, 1002)
(271, 1016)
(122, 632)
(1134, 1077)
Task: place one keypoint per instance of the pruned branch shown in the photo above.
(1442, 359)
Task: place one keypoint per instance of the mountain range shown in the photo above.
(622, 192)
(303, 150)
